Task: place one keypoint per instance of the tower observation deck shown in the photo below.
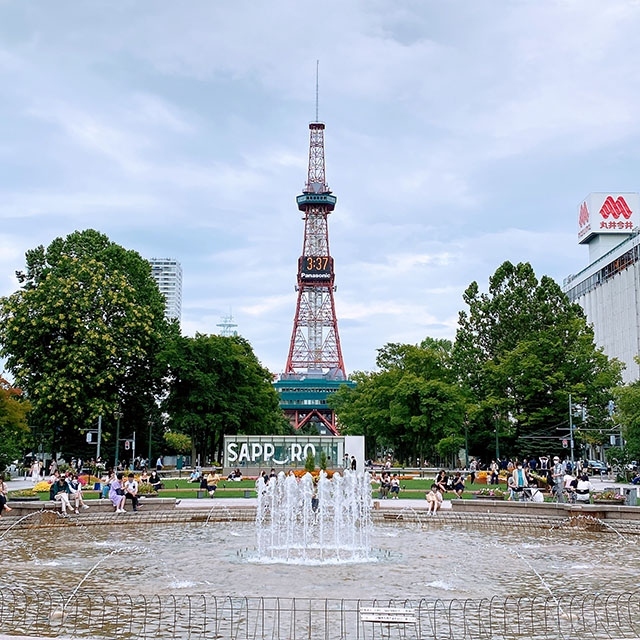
(315, 367)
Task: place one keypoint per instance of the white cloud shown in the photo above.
(458, 135)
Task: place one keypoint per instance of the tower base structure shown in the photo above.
(303, 399)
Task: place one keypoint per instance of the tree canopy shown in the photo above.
(411, 406)
(217, 387)
(83, 333)
(14, 432)
(521, 349)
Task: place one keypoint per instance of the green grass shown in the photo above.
(181, 488)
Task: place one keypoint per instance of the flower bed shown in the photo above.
(489, 494)
(609, 497)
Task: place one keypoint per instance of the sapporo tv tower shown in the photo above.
(315, 367)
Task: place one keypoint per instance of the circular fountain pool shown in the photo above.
(411, 561)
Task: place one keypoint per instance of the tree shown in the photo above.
(627, 414)
(178, 442)
(217, 387)
(521, 349)
(408, 406)
(310, 462)
(14, 431)
(83, 334)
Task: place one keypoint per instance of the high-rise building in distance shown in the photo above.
(167, 272)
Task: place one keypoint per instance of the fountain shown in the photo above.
(311, 572)
(314, 521)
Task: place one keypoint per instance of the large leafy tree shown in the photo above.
(14, 432)
(412, 405)
(627, 415)
(217, 387)
(522, 348)
(83, 334)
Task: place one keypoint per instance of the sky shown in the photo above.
(459, 134)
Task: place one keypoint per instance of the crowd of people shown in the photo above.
(525, 479)
(389, 484)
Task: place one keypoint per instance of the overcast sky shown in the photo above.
(459, 134)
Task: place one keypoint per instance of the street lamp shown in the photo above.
(150, 429)
(117, 415)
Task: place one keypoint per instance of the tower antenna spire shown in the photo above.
(317, 74)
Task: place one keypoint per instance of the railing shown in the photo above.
(26, 612)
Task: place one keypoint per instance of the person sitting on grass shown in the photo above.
(442, 481)
(155, 481)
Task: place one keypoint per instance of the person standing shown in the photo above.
(354, 464)
(159, 464)
(558, 478)
(494, 469)
(35, 472)
(473, 467)
(519, 481)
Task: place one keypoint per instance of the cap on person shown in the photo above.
(556, 459)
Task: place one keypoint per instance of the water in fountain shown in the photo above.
(311, 521)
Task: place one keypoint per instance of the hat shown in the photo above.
(556, 458)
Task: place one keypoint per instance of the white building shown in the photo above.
(168, 274)
(608, 289)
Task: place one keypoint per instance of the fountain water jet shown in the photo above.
(312, 521)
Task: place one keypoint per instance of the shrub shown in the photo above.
(310, 462)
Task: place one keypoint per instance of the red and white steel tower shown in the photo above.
(315, 343)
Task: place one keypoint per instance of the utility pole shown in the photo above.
(118, 415)
(150, 428)
(571, 429)
(99, 437)
(466, 443)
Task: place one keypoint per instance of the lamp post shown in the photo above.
(466, 443)
(117, 415)
(150, 430)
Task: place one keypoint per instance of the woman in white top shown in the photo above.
(583, 489)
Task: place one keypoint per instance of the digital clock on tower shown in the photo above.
(316, 267)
